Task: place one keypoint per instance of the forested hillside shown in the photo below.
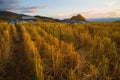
(55, 51)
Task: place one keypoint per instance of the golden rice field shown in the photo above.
(56, 51)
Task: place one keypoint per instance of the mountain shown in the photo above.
(6, 16)
(78, 17)
(104, 20)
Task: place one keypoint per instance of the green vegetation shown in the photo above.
(55, 51)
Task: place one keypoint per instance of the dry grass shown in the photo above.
(55, 51)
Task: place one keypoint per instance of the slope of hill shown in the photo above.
(6, 16)
(47, 19)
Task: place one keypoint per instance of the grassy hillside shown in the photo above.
(54, 51)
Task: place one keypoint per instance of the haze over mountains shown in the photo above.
(105, 20)
(6, 16)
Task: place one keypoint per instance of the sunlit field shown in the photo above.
(56, 51)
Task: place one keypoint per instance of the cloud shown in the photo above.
(100, 14)
(8, 4)
(28, 9)
(94, 13)
(13, 5)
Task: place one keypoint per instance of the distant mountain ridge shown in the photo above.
(78, 17)
(7, 16)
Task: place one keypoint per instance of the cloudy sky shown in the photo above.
(64, 8)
